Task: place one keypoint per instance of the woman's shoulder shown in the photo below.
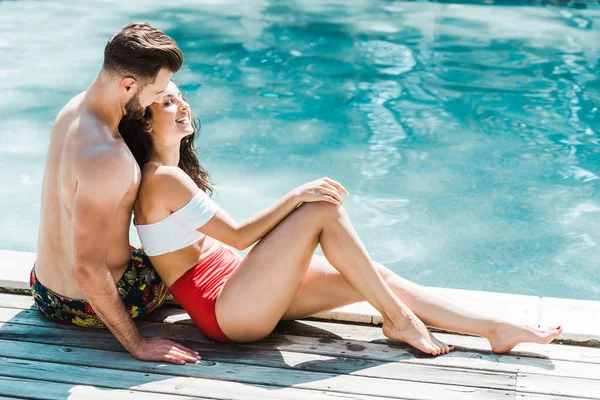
(166, 184)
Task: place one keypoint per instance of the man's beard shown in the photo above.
(133, 108)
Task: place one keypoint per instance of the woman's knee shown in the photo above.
(322, 210)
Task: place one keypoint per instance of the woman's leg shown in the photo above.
(262, 288)
(324, 288)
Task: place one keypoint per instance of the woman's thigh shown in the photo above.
(322, 289)
(263, 286)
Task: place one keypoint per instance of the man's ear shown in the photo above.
(128, 85)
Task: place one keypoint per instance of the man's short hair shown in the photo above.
(141, 51)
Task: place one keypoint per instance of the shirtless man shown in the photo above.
(86, 273)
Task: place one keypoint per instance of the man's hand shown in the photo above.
(157, 349)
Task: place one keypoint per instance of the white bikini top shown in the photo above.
(179, 229)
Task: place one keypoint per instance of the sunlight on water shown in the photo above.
(466, 134)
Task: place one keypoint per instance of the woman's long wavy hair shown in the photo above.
(140, 144)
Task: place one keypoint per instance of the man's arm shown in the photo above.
(103, 181)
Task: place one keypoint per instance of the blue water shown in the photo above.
(467, 135)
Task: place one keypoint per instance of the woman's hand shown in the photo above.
(323, 189)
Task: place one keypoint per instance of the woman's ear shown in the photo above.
(146, 126)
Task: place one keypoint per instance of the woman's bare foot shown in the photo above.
(416, 334)
(506, 336)
(446, 348)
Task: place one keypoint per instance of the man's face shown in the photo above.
(148, 94)
(133, 108)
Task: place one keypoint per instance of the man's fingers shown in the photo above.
(173, 360)
(337, 185)
(184, 349)
(190, 357)
(184, 357)
(156, 349)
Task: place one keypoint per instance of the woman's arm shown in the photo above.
(178, 189)
(223, 228)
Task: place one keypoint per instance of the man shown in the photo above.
(85, 272)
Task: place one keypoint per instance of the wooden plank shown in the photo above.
(39, 389)
(536, 396)
(438, 358)
(15, 267)
(42, 387)
(221, 389)
(575, 387)
(386, 351)
(226, 371)
(293, 363)
(9, 300)
(123, 361)
(574, 315)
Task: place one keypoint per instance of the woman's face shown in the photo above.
(171, 116)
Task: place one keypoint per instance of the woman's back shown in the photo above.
(168, 211)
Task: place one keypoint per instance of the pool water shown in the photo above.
(467, 135)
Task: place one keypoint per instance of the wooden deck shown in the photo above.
(301, 360)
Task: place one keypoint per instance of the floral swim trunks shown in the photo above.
(140, 287)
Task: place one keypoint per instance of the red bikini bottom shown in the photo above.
(197, 290)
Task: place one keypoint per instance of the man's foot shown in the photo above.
(416, 334)
(506, 336)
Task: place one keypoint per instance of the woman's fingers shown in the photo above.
(331, 200)
(337, 185)
(332, 193)
(333, 190)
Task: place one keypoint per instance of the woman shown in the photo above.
(241, 300)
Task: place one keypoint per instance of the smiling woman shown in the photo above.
(135, 134)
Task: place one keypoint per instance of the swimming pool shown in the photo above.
(466, 134)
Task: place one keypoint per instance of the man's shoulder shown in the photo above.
(106, 174)
(104, 153)
(94, 144)
(70, 110)
(105, 160)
